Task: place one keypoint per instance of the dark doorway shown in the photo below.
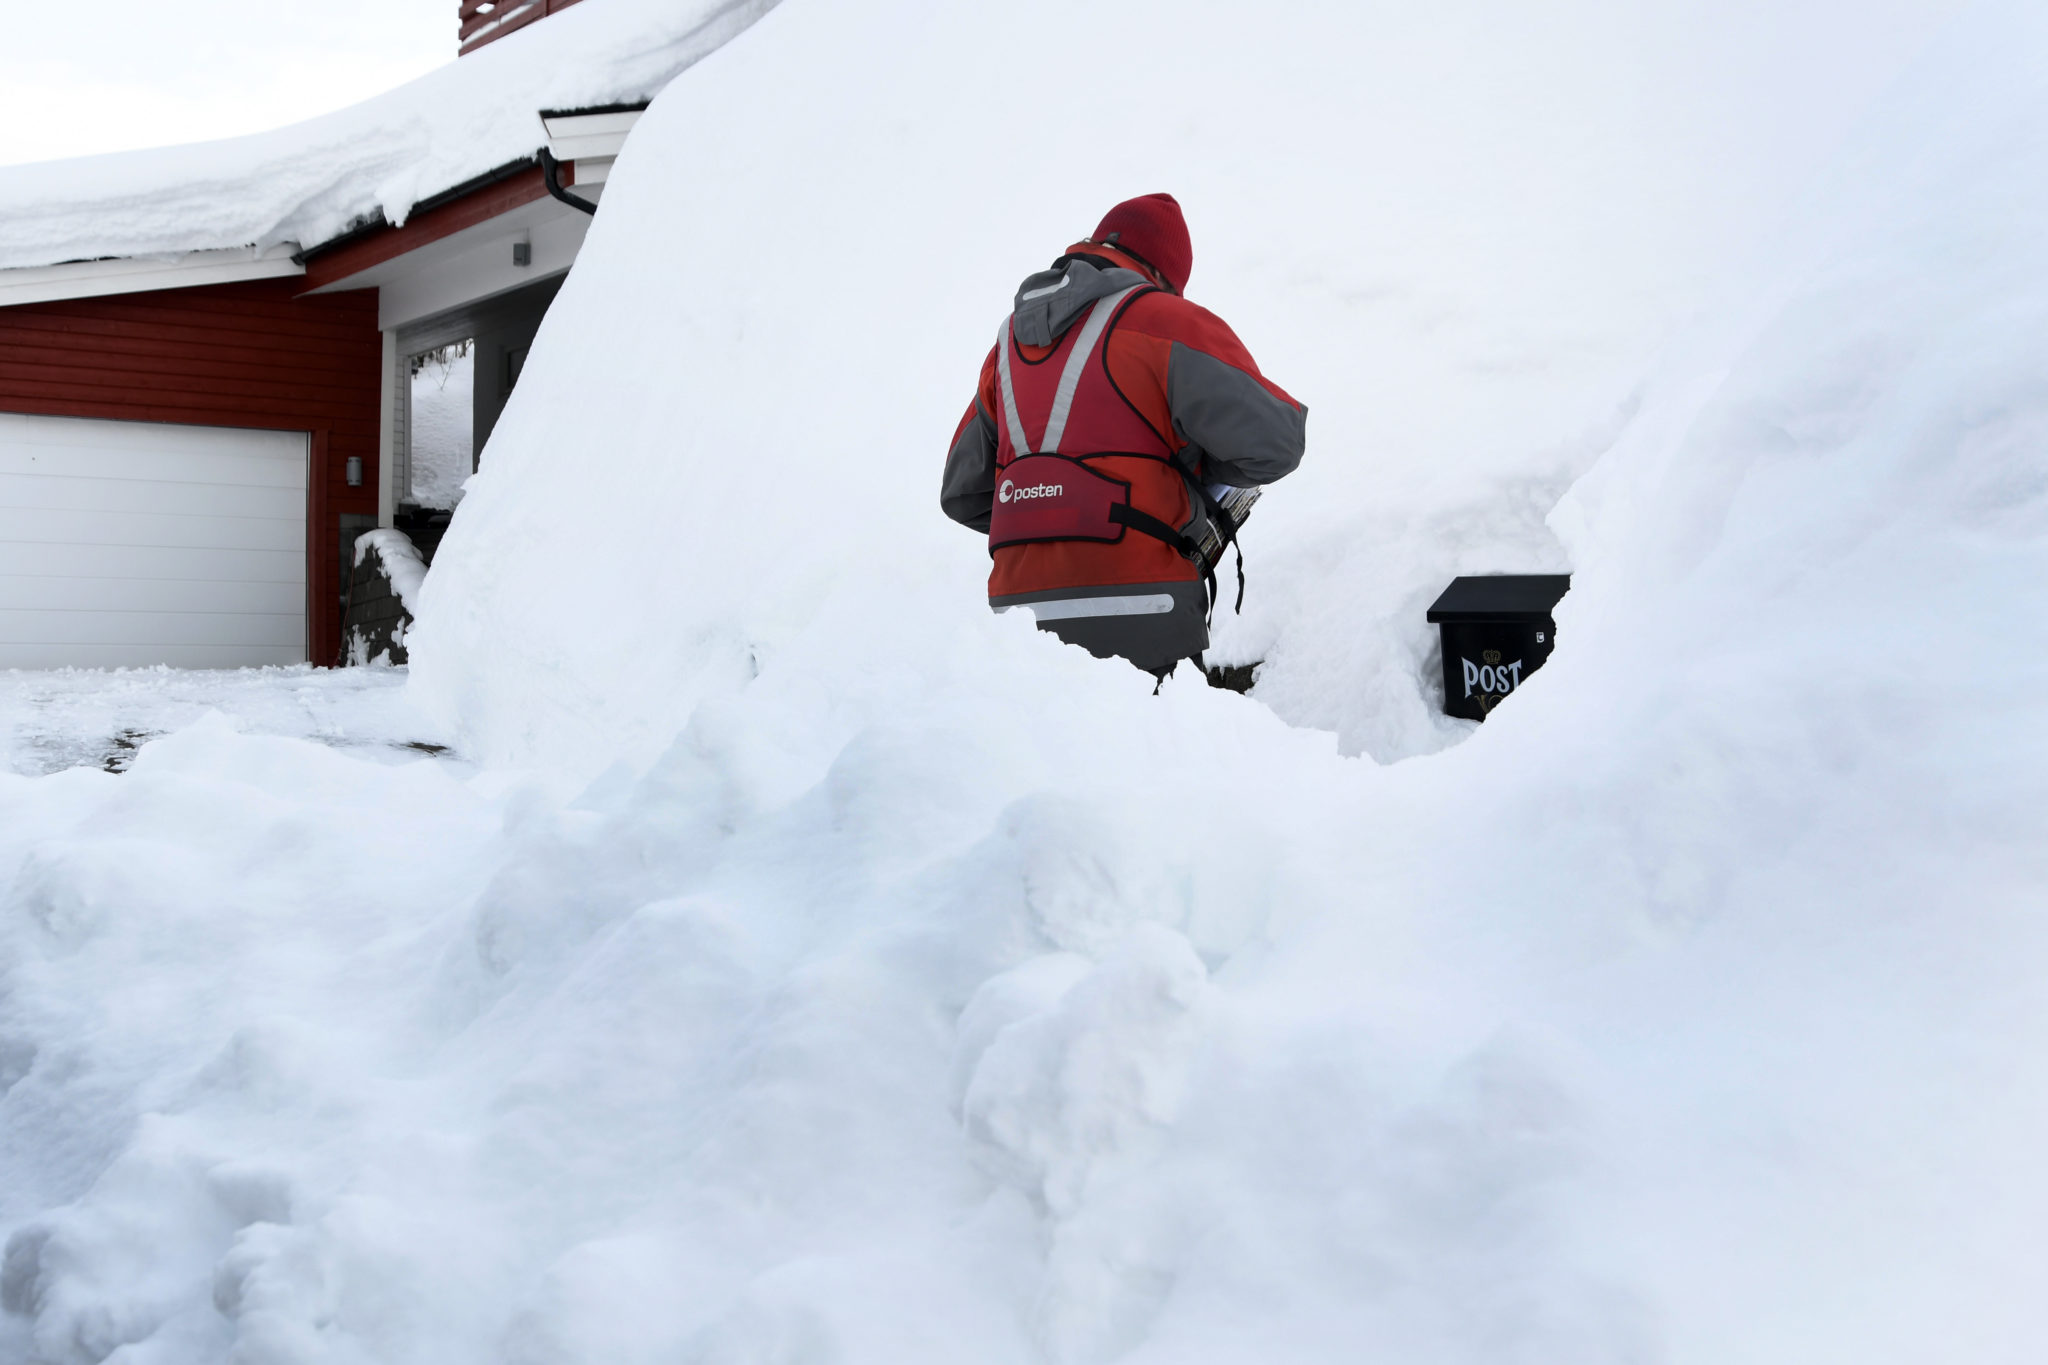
(498, 332)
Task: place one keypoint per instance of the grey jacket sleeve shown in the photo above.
(968, 490)
(1248, 434)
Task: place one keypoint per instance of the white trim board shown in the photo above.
(143, 274)
(574, 136)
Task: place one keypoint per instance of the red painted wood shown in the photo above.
(105, 337)
(227, 355)
(323, 584)
(474, 27)
(420, 229)
(200, 386)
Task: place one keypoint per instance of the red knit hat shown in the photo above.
(1151, 228)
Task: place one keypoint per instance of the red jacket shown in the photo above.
(1170, 397)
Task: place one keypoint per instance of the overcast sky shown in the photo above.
(78, 78)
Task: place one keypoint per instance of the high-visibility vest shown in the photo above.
(1077, 465)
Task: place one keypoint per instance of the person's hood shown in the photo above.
(1051, 301)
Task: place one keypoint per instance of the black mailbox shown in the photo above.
(1496, 632)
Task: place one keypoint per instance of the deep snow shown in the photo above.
(919, 989)
(1460, 271)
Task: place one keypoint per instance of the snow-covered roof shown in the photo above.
(309, 182)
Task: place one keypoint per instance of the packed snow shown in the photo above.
(307, 183)
(100, 718)
(815, 967)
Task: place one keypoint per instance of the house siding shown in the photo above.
(255, 354)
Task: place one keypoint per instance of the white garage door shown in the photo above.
(128, 543)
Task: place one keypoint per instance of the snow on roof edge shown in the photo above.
(310, 182)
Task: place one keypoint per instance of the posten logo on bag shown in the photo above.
(1009, 492)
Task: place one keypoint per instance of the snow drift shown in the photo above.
(813, 255)
(931, 992)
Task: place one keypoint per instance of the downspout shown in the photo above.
(550, 176)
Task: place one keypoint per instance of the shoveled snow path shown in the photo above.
(82, 717)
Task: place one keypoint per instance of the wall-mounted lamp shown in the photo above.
(355, 471)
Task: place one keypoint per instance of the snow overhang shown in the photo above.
(459, 224)
(143, 274)
(456, 247)
(312, 181)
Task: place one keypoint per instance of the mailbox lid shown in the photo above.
(1525, 597)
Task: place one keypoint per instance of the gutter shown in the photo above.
(550, 176)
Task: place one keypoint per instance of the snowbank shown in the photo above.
(1459, 272)
(937, 994)
(307, 183)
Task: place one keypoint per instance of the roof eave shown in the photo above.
(145, 274)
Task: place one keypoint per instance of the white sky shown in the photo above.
(78, 78)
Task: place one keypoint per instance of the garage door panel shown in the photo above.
(63, 493)
(159, 440)
(225, 469)
(133, 543)
(148, 656)
(150, 530)
(40, 593)
(151, 628)
(203, 564)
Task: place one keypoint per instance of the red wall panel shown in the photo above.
(224, 355)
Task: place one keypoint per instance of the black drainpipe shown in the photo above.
(549, 174)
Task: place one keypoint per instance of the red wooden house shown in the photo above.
(191, 441)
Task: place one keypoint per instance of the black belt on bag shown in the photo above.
(1126, 515)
